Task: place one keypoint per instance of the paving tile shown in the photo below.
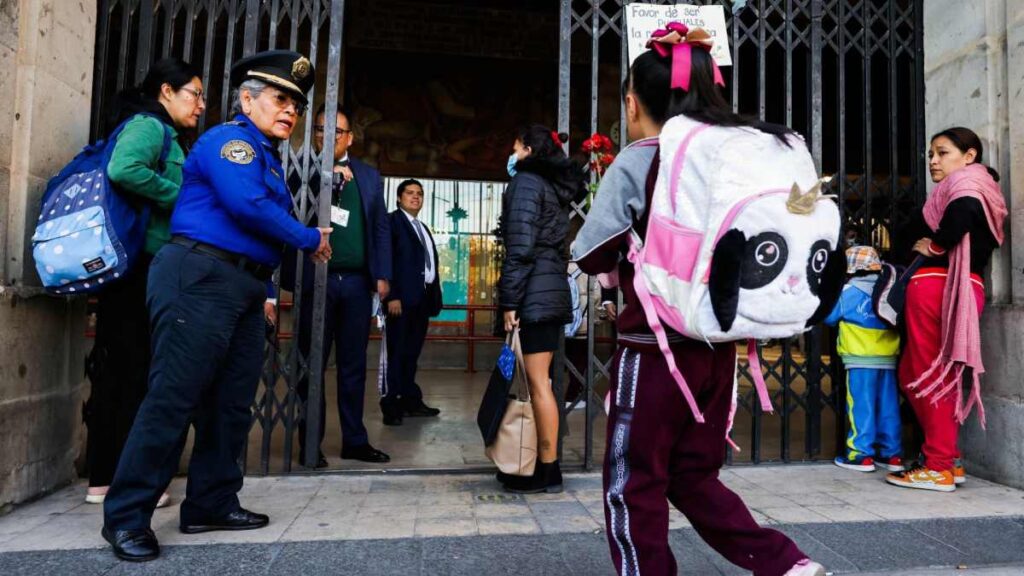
(844, 513)
(448, 511)
(321, 525)
(557, 517)
(792, 514)
(497, 511)
(377, 526)
(509, 525)
(448, 527)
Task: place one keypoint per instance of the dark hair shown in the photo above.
(542, 141)
(650, 78)
(145, 96)
(965, 139)
(343, 110)
(406, 183)
(173, 71)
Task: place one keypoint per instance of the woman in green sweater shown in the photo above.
(169, 100)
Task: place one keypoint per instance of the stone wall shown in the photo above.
(46, 53)
(974, 77)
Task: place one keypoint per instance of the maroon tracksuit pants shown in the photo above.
(657, 453)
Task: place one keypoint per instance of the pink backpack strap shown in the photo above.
(659, 333)
(679, 160)
(755, 372)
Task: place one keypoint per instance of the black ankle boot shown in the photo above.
(547, 477)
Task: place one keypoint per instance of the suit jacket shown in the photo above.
(378, 227)
(407, 257)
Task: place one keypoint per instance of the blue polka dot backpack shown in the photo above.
(89, 233)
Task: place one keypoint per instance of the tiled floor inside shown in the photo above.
(449, 441)
(452, 440)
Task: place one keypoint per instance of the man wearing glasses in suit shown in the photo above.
(359, 268)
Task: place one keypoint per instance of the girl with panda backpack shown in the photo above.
(663, 445)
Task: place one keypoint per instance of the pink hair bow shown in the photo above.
(677, 40)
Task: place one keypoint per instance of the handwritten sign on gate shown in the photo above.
(643, 19)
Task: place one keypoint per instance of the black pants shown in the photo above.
(208, 349)
(405, 336)
(118, 368)
(347, 310)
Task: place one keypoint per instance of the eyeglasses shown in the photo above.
(319, 129)
(282, 101)
(197, 94)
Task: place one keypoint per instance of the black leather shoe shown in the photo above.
(133, 545)
(321, 460)
(240, 519)
(392, 419)
(365, 453)
(418, 409)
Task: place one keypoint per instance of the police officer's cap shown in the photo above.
(283, 69)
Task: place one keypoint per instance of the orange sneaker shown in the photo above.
(923, 478)
(959, 474)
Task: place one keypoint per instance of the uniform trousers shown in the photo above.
(208, 335)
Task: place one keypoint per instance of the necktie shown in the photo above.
(423, 240)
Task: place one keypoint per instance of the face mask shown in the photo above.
(512, 159)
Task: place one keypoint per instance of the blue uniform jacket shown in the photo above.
(378, 226)
(234, 196)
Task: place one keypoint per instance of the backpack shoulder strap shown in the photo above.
(166, 150)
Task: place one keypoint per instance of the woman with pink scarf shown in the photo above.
(964, 217)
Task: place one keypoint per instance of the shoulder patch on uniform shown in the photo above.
(237, 151)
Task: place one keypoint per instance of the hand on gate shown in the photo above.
(270, 312)
(323, 252)
(395, 308)
(611, 311)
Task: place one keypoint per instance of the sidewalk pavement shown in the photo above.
(464, 524)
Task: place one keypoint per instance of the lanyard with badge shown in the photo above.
(339, 215)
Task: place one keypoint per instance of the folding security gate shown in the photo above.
(847, 74)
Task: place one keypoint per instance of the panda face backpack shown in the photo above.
(740, 244)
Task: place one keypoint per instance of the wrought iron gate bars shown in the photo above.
(811, 27)
(827, 33)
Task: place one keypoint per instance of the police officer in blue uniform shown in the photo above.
(206, 296)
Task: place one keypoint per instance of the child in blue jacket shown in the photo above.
(869, 349)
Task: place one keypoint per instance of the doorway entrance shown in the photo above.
(438, 85)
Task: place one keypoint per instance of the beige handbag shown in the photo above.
(514, 451)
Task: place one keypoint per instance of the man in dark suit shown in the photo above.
(360, 266)
(415, 298)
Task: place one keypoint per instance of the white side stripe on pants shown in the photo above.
(625, 400)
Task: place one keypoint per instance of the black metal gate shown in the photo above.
(847, 74)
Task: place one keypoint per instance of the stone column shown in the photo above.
(46, 62)
(974, 77)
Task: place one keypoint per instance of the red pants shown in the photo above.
(923, 315)
(657, 453)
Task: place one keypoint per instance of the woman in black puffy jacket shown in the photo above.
(533, 289)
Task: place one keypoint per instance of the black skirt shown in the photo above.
(540, 337)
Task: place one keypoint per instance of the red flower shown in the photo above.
(597, 143)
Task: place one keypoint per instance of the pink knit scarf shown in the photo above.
(961, 335)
